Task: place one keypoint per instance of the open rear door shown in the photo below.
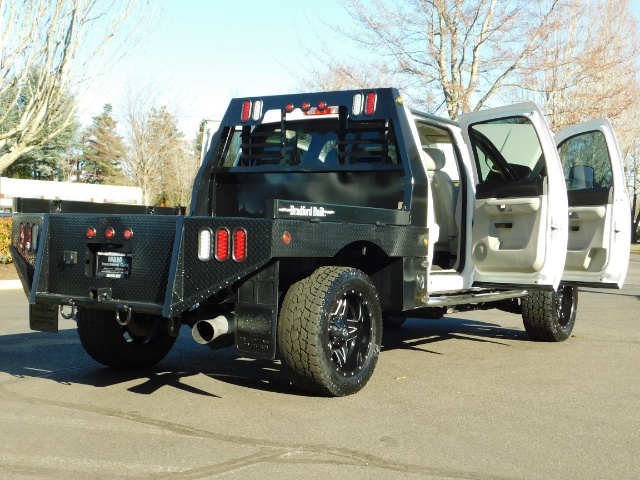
(599, 214)
(519, 234)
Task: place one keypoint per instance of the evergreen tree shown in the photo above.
(103, 151)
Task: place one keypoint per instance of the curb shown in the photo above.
(10, 284)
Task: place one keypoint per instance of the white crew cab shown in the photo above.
(525, 206)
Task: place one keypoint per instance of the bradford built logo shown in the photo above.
(303, 211)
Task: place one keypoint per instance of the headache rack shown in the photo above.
(289, 143)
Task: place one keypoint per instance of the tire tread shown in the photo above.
(540, 317)
(299, 333)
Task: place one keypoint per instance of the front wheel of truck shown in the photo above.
(330, 331)
(549, 316)
(141, 344)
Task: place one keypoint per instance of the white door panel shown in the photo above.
(599, 213)
(519, 233)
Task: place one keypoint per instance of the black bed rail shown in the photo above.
(38, 205)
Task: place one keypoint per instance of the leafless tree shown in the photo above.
(140, 161)
(462, 52)
(50, 51)
(157, 157)
(587, 68)
(180, 170)
(345, 75)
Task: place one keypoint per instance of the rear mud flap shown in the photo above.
(43, 317)
(257, 314)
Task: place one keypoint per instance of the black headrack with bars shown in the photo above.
(369, 141)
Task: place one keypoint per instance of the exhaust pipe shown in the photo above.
(206, 331)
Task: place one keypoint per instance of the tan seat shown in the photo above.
(444, 200)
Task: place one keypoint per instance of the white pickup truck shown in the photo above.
(319, 218)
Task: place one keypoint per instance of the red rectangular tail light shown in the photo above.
(370, 103)
(222, 244)
(239, 244)
(246, 111)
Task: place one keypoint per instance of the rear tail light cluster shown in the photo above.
(251, 110)
(364, 102)
(222, 245)
(29, 234)
(109, 233)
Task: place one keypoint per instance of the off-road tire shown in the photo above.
(549, 316)
(118, 346)
(330, 331)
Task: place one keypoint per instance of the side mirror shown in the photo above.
(581, 176)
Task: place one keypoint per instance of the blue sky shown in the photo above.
(200, 53)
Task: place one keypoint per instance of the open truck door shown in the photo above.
(599, 213)
(520, 223)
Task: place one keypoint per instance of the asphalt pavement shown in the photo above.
(465, 397)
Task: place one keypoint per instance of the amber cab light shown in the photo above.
(222, 244)
(239, 244)
(109, 233)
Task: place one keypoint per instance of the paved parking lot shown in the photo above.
(467, 397)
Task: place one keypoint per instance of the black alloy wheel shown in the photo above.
(330, 331)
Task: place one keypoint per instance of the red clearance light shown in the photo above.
(222, 244)
(127, 234)
(322, 105)
(305, 106)
(239, 244)
(288, 107)
(370, 103)
(27, 245)
(109, 233)
(246, 111)
(91, 232)
(21, 244)
(286, 238)
(326, 111)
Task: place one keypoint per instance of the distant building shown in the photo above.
(87, 192)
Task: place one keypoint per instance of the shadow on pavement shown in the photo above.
(416, 333)
(61, 358)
